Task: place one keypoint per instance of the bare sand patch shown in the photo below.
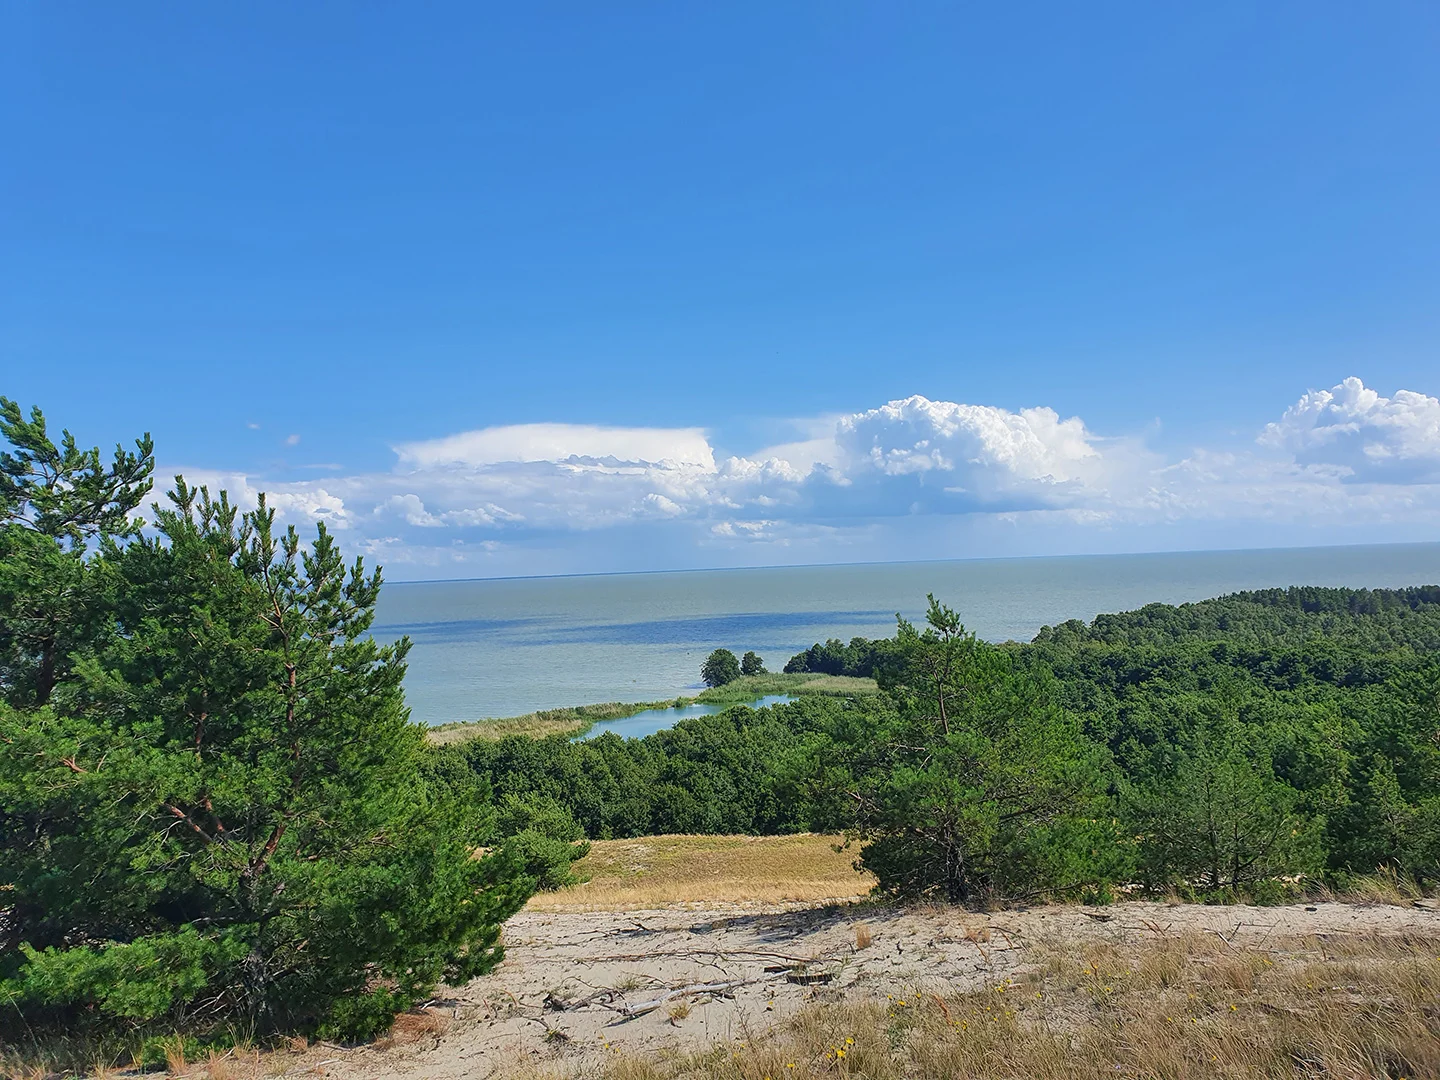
(580, 991)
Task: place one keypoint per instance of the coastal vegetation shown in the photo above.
(572, 720)
(721, 667)
(749, 688)
(576, 720)
(216, 815)
(1249, 746)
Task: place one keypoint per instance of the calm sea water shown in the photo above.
(503, 647)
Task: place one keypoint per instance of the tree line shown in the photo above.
(1216, 750)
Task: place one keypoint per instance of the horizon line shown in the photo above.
(915, 562)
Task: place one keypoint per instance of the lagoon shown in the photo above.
(653, 720)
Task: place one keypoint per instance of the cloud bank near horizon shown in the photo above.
(912, 478)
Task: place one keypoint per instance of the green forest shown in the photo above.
(1236, 747)
(216, 815)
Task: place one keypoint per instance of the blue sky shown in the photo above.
(312, 246)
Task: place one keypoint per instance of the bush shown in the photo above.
(543, 835)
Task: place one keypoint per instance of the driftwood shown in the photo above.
(803, 978)
(738, 955)
(630, 1012)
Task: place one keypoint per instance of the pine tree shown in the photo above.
(225, 816)
(980, 785)
(54, 501)
(1218, 818)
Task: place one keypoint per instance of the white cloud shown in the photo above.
(561, 442)
(662, 506)
(921, 456)
(410, 509)
(1336, 458)
(919, 435)
(1351, 427)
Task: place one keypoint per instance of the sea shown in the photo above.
(506, 646)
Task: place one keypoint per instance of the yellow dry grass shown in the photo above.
(630, 874)
(1191, 1007)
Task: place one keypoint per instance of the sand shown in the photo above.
(576, 987)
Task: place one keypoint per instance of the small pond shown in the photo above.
(653, 720)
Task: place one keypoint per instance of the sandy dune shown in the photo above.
(576, 987)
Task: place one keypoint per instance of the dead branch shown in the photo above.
(630, 1012)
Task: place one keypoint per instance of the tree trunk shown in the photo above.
(957, 888)
(45, 675)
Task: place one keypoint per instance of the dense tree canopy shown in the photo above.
(861, 658)
(1210, 748)
(981, 784)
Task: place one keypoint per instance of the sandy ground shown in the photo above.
(575, 987)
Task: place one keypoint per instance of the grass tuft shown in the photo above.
(1385, 886)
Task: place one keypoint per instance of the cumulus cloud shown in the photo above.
(1367, 436)
(918, 435)
(921, 456)
(1336, 456)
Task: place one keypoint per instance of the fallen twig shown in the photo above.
(630, 1012)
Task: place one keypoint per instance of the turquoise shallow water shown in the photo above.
(503, 647)
(653, 720)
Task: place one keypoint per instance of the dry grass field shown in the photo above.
(661, 870)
